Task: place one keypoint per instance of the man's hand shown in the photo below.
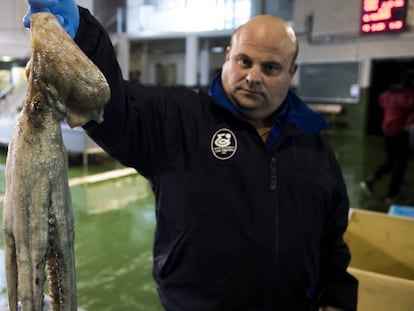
(66, 12)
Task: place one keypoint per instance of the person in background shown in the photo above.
(251, 205)
(398, 106)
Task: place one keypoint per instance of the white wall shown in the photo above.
(336, 36)
(14, 38)
(88, 4)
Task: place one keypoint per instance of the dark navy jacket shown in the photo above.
(241, 225)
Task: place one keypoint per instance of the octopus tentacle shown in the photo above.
(38, 222)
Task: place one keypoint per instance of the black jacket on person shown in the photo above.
(241, 225)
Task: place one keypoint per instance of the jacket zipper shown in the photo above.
(273, 188)
(273, 177)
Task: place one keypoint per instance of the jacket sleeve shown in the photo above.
(122, 120)
(339, 289)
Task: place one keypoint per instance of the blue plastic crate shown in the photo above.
(401, 210)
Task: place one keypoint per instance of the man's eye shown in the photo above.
(271, 70)
(244, 62)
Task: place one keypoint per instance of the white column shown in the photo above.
(144, 64)
(123, 55)
(204, 64)
(191, 60)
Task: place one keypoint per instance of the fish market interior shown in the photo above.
(350, 52)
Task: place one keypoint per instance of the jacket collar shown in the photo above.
(293, 110)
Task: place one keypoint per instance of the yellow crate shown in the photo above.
(382, 249)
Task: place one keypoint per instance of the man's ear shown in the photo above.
(293, 69)
(227, 53)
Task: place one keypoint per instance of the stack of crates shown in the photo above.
(382, 249)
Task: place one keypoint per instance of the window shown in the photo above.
(186, 15)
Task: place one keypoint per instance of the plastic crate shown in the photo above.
(401, 210)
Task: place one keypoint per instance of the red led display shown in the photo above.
(383, 16)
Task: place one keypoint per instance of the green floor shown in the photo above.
(359, 157)
(115, 224)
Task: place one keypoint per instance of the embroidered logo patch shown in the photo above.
(223, 144)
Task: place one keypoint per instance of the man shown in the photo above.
(251, 205)
(397, 104)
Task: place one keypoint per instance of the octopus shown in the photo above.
(38, 221)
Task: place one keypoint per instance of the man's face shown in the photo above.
(257, 74)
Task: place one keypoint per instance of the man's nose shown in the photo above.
(254, 76)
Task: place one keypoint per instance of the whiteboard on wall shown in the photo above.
(332, 82)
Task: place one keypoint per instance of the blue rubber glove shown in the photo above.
(66, 12)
